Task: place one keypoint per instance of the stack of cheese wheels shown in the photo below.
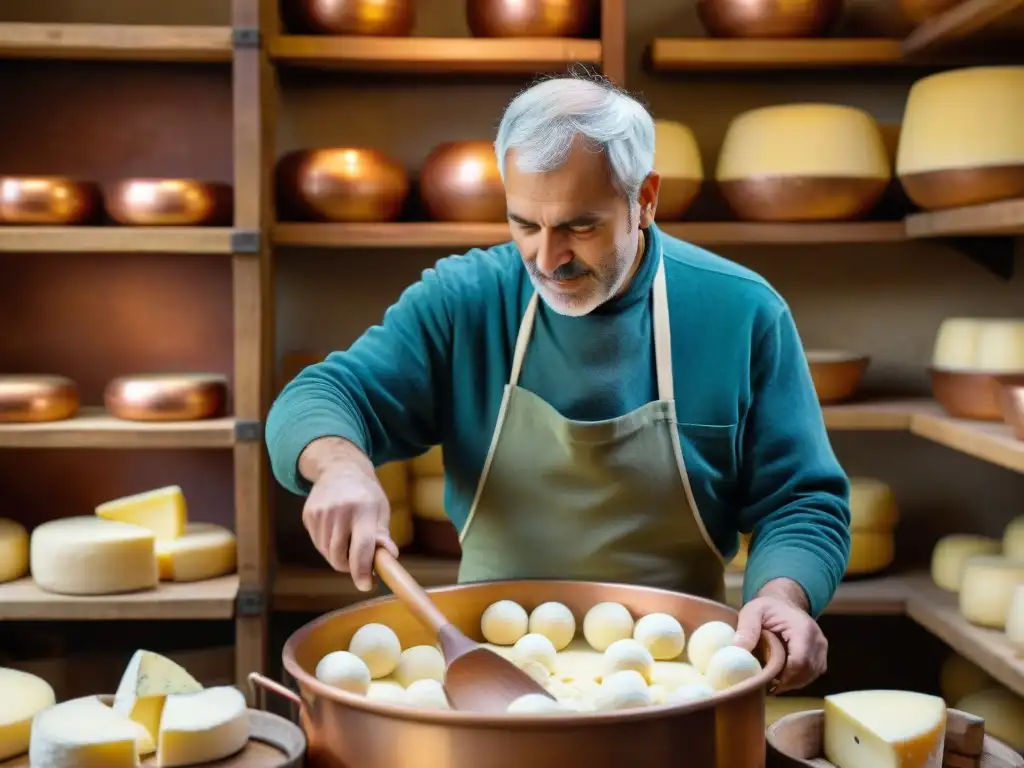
(969, 155)
(13, 550)
(803, 162)
(952, 551)
(677, 159)
(394, 479)
(959, 677)
(874, 514)
(37, 398)
(434, 531)
(130, 544)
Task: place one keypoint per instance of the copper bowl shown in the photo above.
(169, 203)
(836, 374)
(971, 394)
(47, 200)
(954, 188)
(343, 729)
(166, 397)
(460, 181)
(350, 184)
(437, 537)
(1011, 405)
(32, 399)
(381, 18)
(531, 18)
(797, 740)
(802, 198)
(768, 18)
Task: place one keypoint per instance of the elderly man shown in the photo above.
(614, 404)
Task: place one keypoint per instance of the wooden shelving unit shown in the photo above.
(92, 428)
(115, 42)
(1005, 217)
(179, 240)
(957, 23)
(697, 54)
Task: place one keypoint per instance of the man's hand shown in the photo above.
(346, 513)
(781, 607)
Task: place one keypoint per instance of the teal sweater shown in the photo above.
(752, 432)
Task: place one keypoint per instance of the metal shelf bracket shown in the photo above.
(243, 37)
(251, 602)
(248, 431)
(245, 241)
(996, 254)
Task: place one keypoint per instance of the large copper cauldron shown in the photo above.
(349, 731)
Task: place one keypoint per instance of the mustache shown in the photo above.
(566, 271)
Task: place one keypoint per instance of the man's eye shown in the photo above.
(583, 229)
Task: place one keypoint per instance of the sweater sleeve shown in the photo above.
(383, 393)
(796, 503)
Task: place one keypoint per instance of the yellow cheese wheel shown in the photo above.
(394, 479)
(817, 140)
(985, 129)
(1013, 538)
(960, 677)
(956, 342)
(676, 154)
(986, 586)
(872, 505)
(401, 525)
(780, 706)
(429, 464)
(13, 550)
(428, 498)
(1015, 618)
(870, 551)
(1003, 712)
(951, 551)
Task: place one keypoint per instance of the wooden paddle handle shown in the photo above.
(408, 590)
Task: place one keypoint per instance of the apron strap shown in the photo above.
(523, 340)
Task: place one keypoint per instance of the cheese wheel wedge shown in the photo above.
(85, 733)
(202, 727)
(1013, 538)
(13, 550)
(952, 551)
(144, 687)
(24, 696)
(91, 556)
(870, 552)
(204, 551)
(986, 588)
(394, 479)
(429, 464)
(163, 511)
(428, 498)
(872, 505)
(1003, 712)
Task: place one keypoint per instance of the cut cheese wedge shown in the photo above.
(204, 551)
(22, 697)
(13, 550)
(202, 727)
(884, 729)
(85, 733)
(144, 687)
(163, 511)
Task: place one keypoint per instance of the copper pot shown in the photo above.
(802, 198)
(351, 184)
(383, 18)
(1011, 405)
(32, 399)
(166, 397)
(531, 18)
(346, 730)
(957, 187)
(768, 18)
(460, 181)
(47, 200)
(971, 394)
(836, 374)
(169, 202)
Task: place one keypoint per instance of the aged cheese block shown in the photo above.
(986, 586)
(1003, 712)
(969, 155)
(202, 727)
(394, 479)
(960, 676)
(166, 397)
(677, 160)
(144, 688)
(84, 733)
(13, 550)
(37, 398)
(429, 464)
(1015, 617)
(870, 552)
(401, 527)
(873, 505)
(203, 551)
(1013, 538)
(802, 162)
(163, 511)
(24, 696)
(428, 498)
(952, 551)
(92, 556)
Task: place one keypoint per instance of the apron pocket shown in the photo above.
(712, 462)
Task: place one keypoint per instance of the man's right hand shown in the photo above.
(346, 513)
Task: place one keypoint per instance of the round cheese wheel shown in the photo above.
(952, 551)
(873, 505)
(986, 587)
(1001, 345)
(204, 551)
(960, 676)
(807, 140)
(166, 397)
(1003, 712)
(1015, 617)
(985, 129)
(13, 550)
(956, 342)
(870, 552)
(26, 696)
(429, 464)
(428, 498)
(37, 398)
(394, 479)
(1013, 538)
(676, 154)
(401, 527)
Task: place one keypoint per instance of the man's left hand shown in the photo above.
(781, 608)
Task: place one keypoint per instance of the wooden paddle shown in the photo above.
(476, 679)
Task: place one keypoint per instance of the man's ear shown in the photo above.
(648, 199)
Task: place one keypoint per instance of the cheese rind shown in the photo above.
(22, 697)
(202, 727)
(162, 510)
(204, 551)
(145, 684)
(952, 551)
(884, 729)
(83, 733)
(986, 587)
(91, 556)
(13, 550)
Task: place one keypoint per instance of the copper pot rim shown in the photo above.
(1004, 377)
(776, 177)
(307, 681)
(163, 179)
(444, 146)
(191, 377)
(835, 357)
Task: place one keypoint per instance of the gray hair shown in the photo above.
(542, 122)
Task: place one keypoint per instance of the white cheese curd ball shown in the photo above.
(344, 670)
(660, 634)
(628, 654)
(378, 646)
(537, 704)
(706, 640)
(690, 692)
(605, 623)
(623, 690)
(504, 622)
(386, 691)
(537, 671)
(730, 666)
(658, 694)
(428, 694)
(535, 647)
(421, 662)
(555, 621)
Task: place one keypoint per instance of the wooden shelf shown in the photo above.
(937, 611)
(22, 600)
(709, 54)
(115, 42)
(992, 442)
(1005, 217)
(880, 415)
(183, 240)
(433, 55)
(877, 596)
(93, 428)
(958, 22)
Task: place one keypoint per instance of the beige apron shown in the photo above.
(597, 501)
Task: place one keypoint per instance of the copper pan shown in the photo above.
(169, 202)
(386, 18)
(836, 374)
(802, 198)
(47, 200)
(767, 18)
(166, 397)
(971, 394)
(37, 398)
(461, 181)
(350, 731)
(531, 18)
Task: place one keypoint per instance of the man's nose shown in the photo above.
(553, 252)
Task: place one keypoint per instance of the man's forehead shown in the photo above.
(579, 182)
